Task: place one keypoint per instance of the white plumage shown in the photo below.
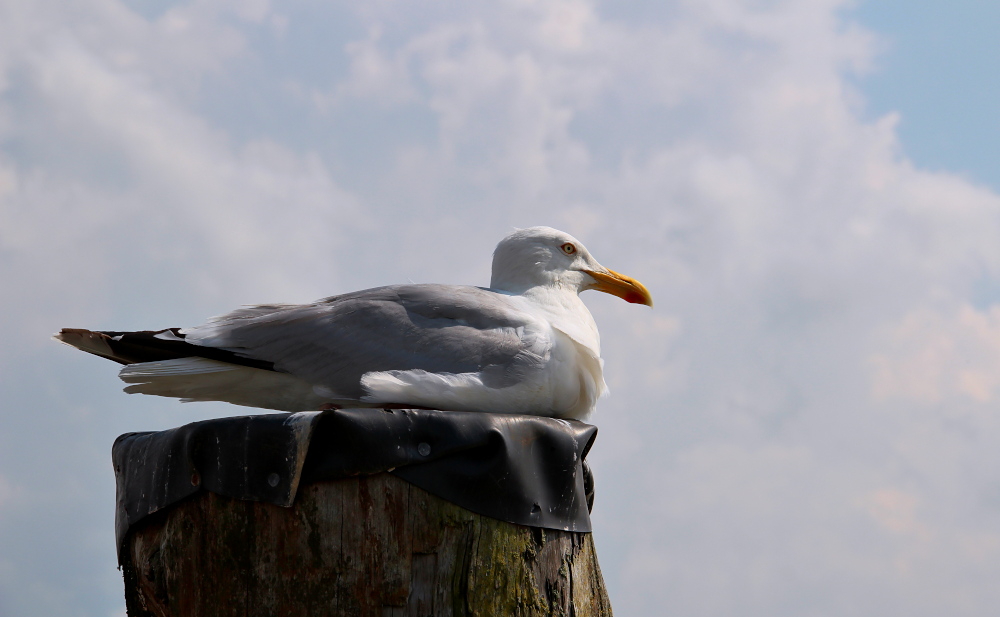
(527, 344)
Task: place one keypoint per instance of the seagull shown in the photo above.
(526, 345)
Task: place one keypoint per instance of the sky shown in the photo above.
(805, 425)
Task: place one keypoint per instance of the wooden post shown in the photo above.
(364, 546)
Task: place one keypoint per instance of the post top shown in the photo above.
(527, 470)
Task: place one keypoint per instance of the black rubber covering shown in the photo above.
(527, 470)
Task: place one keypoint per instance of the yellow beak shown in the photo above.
(625, 287)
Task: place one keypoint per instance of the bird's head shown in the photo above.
(542, 256)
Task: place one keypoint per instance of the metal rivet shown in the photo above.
(424, 449)
(273, 479)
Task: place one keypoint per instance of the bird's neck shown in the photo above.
(520, 281)
(564, 309)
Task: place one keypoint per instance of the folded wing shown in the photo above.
(440, 346)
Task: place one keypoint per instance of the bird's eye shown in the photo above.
(568, 248)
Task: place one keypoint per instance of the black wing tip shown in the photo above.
(147, 346)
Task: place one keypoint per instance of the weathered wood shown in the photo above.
(370, 546)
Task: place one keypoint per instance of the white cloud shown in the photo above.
(799, 427)
(115, 167)
(896, 511)
(374, 77)
(934, 357)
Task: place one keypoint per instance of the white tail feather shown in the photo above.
(200, 379)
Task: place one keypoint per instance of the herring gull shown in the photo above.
(527, 344)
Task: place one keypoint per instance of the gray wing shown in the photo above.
(334, 341)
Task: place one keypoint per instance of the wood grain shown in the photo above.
(368, 546)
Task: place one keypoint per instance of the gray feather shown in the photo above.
(334, 341)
